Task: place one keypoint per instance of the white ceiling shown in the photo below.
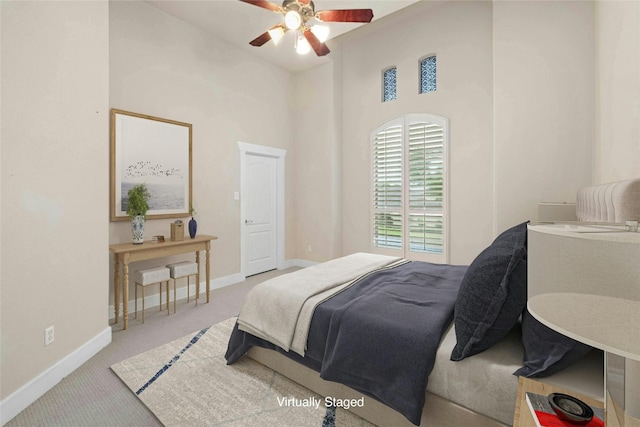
(238, 23)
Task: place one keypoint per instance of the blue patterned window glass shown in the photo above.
(389, 84)
(428, 74)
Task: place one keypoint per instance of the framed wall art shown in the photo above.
(152, 151)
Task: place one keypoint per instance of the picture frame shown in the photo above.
(153, 151)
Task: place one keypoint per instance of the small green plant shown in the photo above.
(138, 203)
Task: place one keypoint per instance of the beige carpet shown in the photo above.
(187, 383)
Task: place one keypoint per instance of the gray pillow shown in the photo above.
(545, 350)
(492, 295)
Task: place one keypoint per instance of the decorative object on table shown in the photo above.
(562, 410)
(570, 409)
(154, 151)
(157, 239)
(177, 230)
(193, 225)
(137, 207)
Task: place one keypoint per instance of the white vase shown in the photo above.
(137, 229)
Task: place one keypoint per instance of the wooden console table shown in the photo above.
(124, 253)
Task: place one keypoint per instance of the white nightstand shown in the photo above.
(584, 282)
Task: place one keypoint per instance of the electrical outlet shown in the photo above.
(309, 249)
(48, 335)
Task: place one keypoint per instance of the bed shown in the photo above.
(482, 331)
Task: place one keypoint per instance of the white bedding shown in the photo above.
(272, 310)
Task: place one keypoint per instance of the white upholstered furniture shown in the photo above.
(151, 276)
(614, 202)
(180, 270)
(584, 281)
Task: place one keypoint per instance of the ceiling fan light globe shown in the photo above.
(302, 46)
(321, 32)
(292, 20)
(276, 34)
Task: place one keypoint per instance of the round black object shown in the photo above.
(570, 409)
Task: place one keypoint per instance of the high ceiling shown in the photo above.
(238, 23)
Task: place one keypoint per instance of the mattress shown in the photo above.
(484, 382)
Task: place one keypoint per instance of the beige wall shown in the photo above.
(617, 147)
(544, 104)
(520, 99)
(54, 121)
(317, 166)
(162, 67)
(459, 33)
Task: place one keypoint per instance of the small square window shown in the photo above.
(428, 74)
(389, 84)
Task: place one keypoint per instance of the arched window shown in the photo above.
(409, 187)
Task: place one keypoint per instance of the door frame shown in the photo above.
(279, 154)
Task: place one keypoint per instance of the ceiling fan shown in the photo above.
(301, 16)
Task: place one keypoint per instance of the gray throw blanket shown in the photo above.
(272, 309)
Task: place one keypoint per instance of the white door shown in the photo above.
(260, 214)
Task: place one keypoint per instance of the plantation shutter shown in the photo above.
(426, 176)
(387, 187)
(409, 187)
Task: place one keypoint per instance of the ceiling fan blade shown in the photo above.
(261, 39)
(320, 48)
(264, 4)
(266, 36)
(345, 15)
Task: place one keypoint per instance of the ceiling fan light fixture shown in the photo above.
(276, 34)
(292, 20)
(302, 45)
(301, 16)
(321, 32)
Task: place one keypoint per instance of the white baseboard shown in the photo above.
(34, 389)
(19, 400)
(181, 292)
(223, 281)
(303, 263)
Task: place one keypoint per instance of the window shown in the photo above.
(389, 84)
(409, 187)
(428, 74)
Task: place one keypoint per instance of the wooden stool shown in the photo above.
(180, 270)
(151, 276)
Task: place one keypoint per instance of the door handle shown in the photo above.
(248, 221)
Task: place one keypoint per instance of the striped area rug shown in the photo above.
(188, 383)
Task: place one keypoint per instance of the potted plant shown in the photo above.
(137, 207)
